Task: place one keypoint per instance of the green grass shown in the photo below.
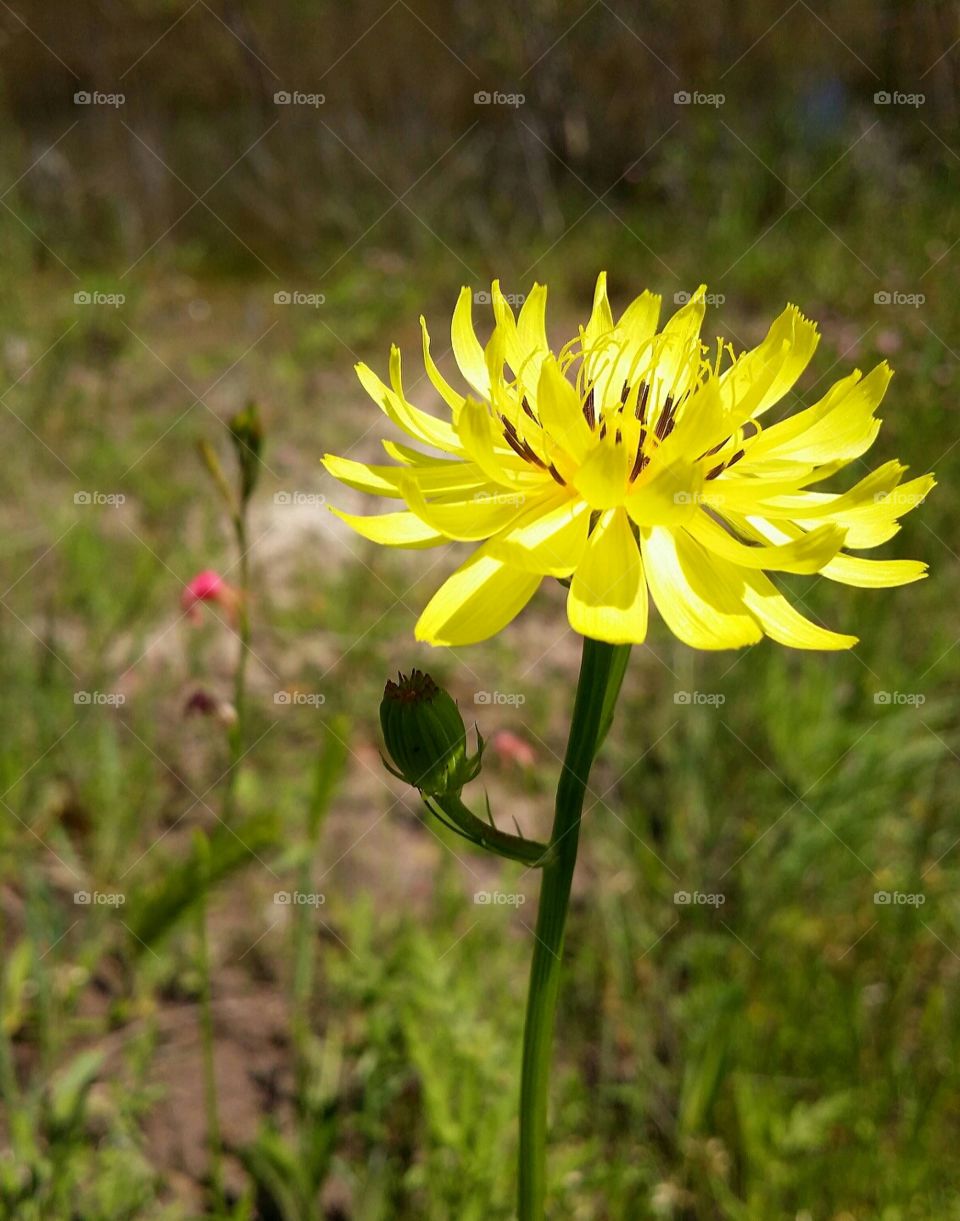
(790, 1053)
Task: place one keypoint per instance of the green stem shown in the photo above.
(207, 1048)
(238, 729)
(601, 672)
(527, 851)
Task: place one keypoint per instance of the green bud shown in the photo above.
(246, 430)
(425, 735)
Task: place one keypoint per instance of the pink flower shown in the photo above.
(209, 586)
(509, 748)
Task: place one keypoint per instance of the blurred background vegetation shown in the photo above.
(791, 1053)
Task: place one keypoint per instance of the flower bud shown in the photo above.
(425, 735)
(246, 430)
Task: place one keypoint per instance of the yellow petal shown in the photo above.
(784, 353)
(608, 595)
(436, 479)
(678, 360)
(666, 495)
(841, 425)
(480, 599)
(392, 529)
(784, 623)
(639, 320)
(845, 569)
(808, 553)
(601, 317)
(415, 423)
(561, 412)
(873, 524)
(699, 598)
(532, 325)
(466, 520)
(486, 447)
(466, 347)
(453, 400)
(602, 479)
(548, 540)
(752, 495)
(873, 574)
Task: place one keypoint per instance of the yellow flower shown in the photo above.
(632, 460)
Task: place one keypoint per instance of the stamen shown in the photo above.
(589, 412)
(665, 420)
(642, 401)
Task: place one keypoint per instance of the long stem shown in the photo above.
(214, 1142)
(601, 671)
(238, 729)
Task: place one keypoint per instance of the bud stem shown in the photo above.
(528, 852)
(602, 668)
